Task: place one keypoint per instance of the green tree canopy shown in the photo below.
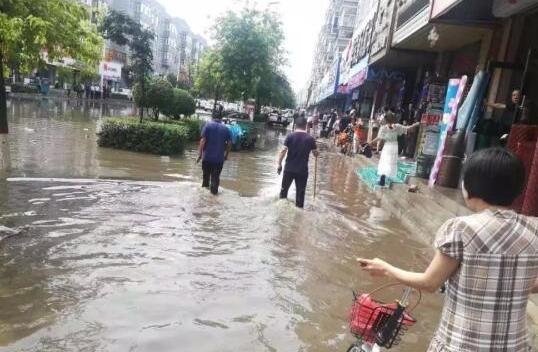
(154, 94)
(32, 32)
(210, 80)
(122, 30)
(182, 104)
(250, 50)
(172, 78)
(280, 93)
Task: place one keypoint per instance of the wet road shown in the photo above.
(125, 252)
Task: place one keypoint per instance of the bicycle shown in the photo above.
(377, 325)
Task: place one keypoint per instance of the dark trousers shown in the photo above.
(211, 175)
(300, 186)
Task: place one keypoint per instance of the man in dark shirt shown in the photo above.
(345, 121)
(507, 119)
(332, 120)
(297, 147)
(215, 146)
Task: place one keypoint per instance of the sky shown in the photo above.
(302, 21)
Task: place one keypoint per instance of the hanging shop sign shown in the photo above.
(358, 74)
(110, 70)
(363, 32)
(345, 69)
(431, 140)
(368, 73)
(507, 8)
(383, 74)
(329, 83)
(452, 102)
(382, 26)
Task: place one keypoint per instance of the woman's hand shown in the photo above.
(440, 269)
(376, 267)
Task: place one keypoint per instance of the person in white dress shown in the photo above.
(388, 162)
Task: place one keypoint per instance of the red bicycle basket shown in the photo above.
(368, 315)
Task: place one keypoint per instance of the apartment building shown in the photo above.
(174, 42)
(334, 36)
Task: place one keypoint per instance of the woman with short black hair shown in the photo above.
(495, 176)
(489, 260)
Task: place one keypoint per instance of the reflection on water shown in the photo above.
(111, 265)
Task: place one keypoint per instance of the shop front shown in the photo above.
(431, 45)
(345, 71)
(110, 72)
(517, 70)
(327, 94)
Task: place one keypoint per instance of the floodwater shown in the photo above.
(125, 252)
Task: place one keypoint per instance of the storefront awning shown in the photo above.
(329, 84)
(448, 37)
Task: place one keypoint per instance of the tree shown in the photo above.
(88, 74)
(279, 92)
(32, 32)
(155, 94)
(122, 30)
(172, 78)
(140, 97)
(185, 80)
(251, 47)
(210, 80)
(182, 103)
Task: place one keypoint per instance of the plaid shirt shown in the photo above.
(486, 299)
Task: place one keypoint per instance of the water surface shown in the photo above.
(125, 252)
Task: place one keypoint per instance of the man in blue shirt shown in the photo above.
(297, 146)
(215, 146)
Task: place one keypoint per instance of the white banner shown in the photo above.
(110, 70)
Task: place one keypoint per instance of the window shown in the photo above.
(349, 20)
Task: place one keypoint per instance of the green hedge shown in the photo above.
(147, 137)
(193, 126)
(21, 88)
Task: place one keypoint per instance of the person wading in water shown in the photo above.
(297, 147)
(215, 146)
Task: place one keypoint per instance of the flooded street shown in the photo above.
(125, 251)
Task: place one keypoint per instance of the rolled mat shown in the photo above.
(450, 171)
